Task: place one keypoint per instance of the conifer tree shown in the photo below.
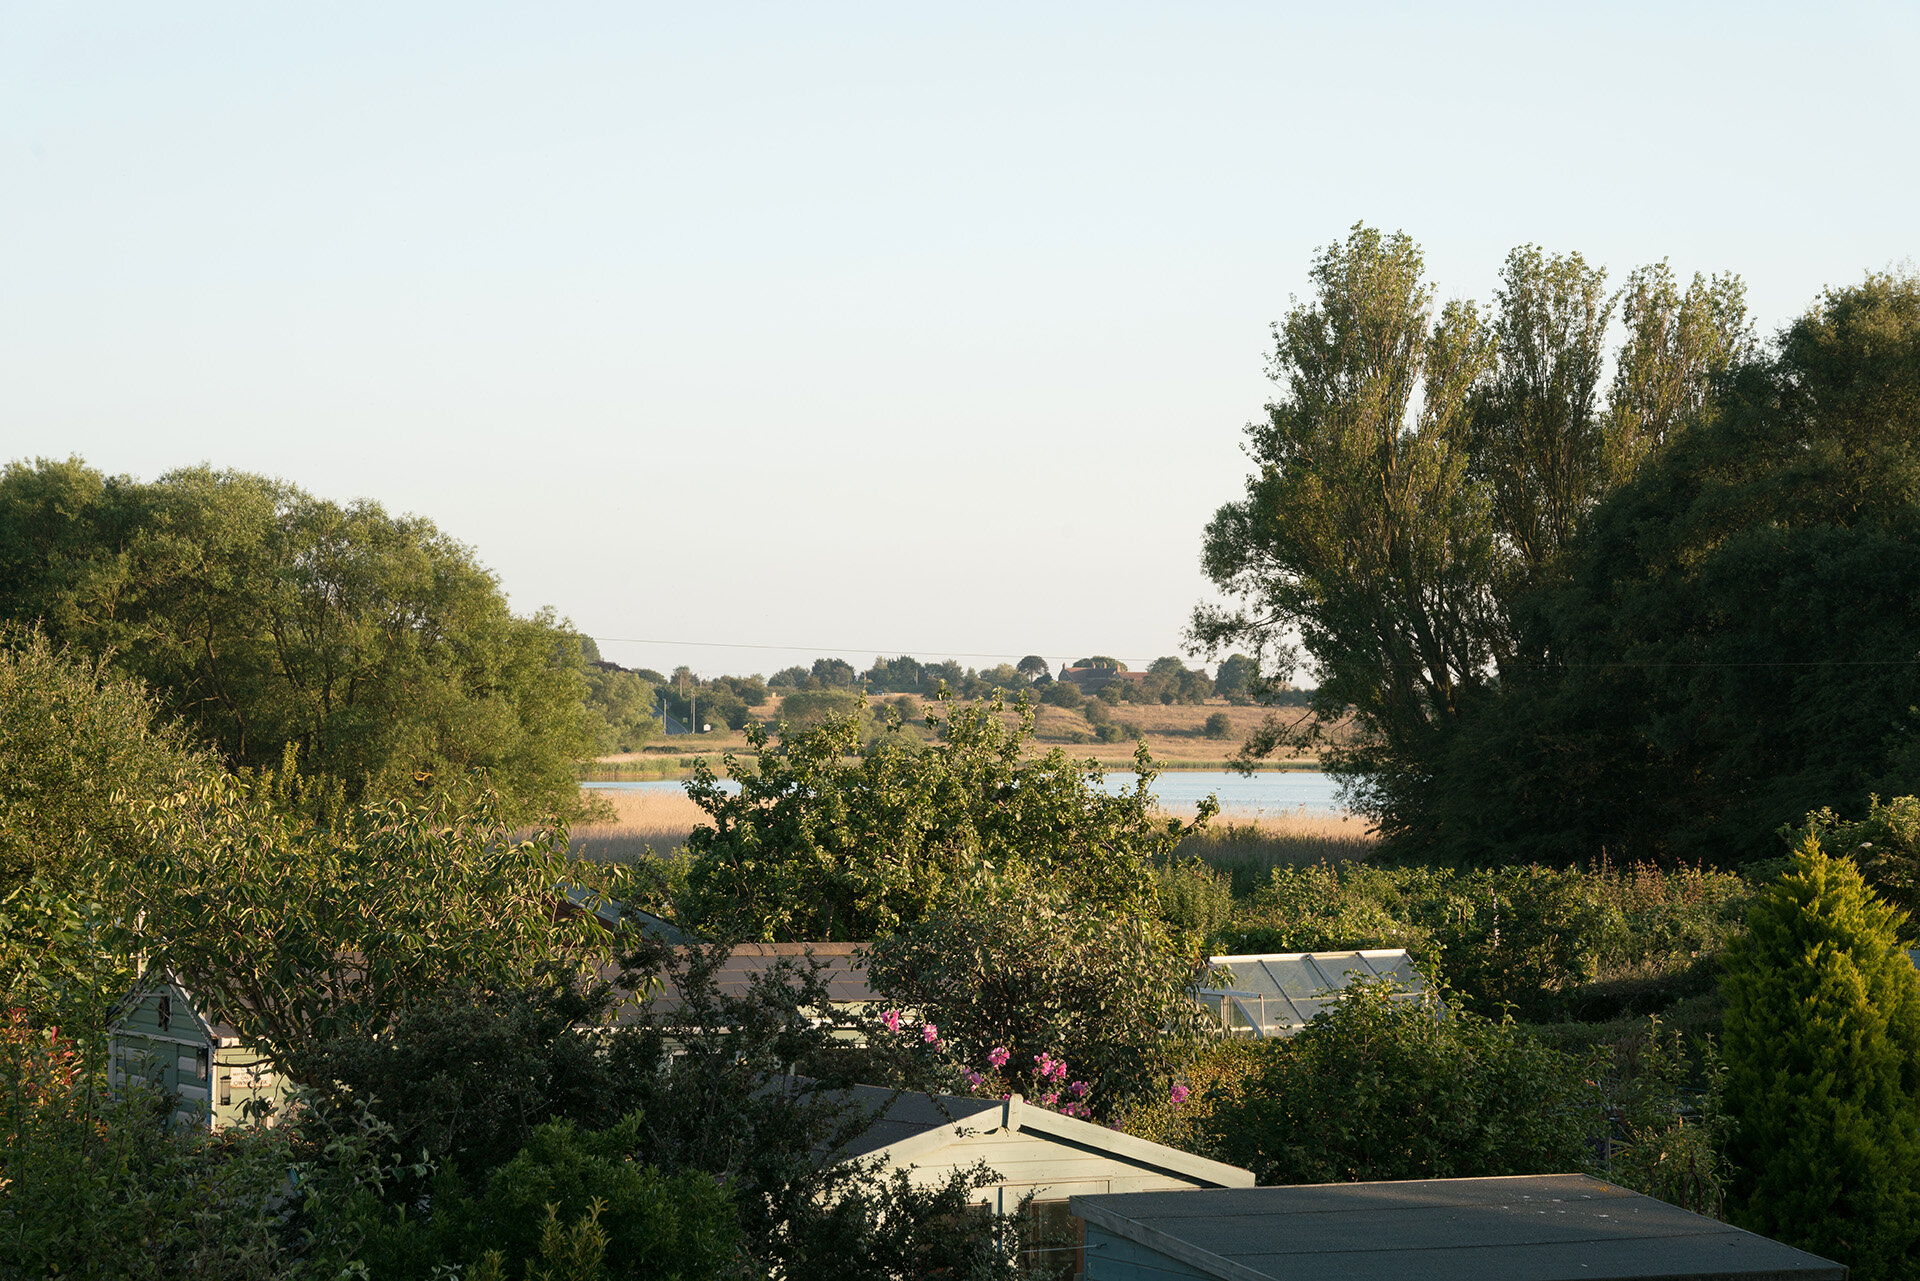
(1823, 1071)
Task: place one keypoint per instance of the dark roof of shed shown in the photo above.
(1546, 1227)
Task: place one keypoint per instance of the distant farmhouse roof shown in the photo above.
(1276, 993)
(1538, 1227)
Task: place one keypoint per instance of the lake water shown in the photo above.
(1270, 792)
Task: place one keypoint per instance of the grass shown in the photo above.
(1247, 847)
(643, 822)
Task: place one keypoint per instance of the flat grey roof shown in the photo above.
(1544, 1227)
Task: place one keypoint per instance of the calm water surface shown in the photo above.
(1277, 792)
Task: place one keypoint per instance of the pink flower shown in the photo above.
(892, 1019)
(1178, 1095)
(973, 1079)
(1079, 1089)
(929, 1033)
(1059, 1069)
(998, 1057)
(1050, 1099)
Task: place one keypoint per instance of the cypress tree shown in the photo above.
(1823, 1071)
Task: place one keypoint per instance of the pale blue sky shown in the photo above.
(877, 327)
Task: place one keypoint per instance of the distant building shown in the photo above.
(162, 1035)
(1544, 1227)
(1274, 994)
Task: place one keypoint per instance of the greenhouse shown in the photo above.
(1273, 995)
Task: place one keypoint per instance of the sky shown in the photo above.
(744, 333)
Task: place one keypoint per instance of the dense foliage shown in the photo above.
(820, 843)
(1732, 644)
(81, 749)
(1383, 1088)
(262, 616)
(1009, 967)
(1420, 471)
(1545, 943)
(83, 754)
(299, 933)
(1823, 1071)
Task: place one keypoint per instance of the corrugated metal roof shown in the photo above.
(1276, 993)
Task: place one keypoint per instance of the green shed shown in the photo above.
(161, 1035)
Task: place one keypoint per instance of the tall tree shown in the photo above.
(1363, 529)
(1539, 441)
(1676, 345)
(1422, 473)
(262, 616)
(1731, 645)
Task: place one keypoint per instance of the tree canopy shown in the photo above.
(825, 843)
(262, 617)
(1424, 475)
(1731, 642)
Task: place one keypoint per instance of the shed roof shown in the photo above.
(910, 1129)
(1543, 1227)
(1276, 993)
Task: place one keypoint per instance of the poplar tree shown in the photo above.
(1823, 1071)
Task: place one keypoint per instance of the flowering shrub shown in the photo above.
(1044, 1083)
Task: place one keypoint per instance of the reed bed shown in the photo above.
(1248, 846)
(642, 821)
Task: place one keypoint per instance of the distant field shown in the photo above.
(1175, 734)
(1245, 845)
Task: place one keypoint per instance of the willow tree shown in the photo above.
(262, 616)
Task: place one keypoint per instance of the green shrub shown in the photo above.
(99, 1187)
(1219, 725)
(674, 1227)
(1546, 943)
(1823, 1070)
(1662, 1141)
(1194, 899)
(1062, 694)
(1214, 1073)
(1381, 1088)
(1885, 845)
